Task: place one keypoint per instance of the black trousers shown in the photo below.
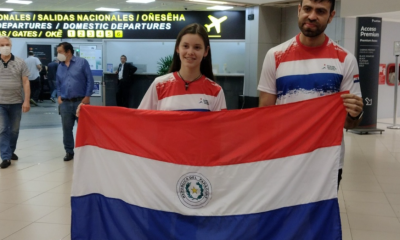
(35, 89)
(44, 88)
(123, 93)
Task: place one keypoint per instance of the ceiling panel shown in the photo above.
(159, 5)
(91, 5)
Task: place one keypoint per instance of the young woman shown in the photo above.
(189, 85)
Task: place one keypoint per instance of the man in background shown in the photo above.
(74, 86)
(51, 76)
(125, 76)
(34, 66)
(13, 77)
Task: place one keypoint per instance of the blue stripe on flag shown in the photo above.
(356, 81)
(98, 217)
(318, 82)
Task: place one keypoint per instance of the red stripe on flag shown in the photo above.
(215, 138)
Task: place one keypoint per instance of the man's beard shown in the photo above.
(312, 32)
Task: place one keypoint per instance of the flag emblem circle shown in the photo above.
(194, 190)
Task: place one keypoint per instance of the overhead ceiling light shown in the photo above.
(207, 1)
(107, 9)
(19, 2)
(140, 1)
(220, 7)
(6, 9)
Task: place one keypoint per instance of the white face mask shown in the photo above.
(6, 50)
(61, 57)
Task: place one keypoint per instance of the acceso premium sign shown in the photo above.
(194, 190)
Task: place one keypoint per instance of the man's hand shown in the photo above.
(353, 103)
(26, 106)
(86, 100)
(59, 100)
(354, 107)
(78, 109)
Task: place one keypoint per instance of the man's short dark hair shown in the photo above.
(30, 53)
(331, 1)
(67, 47)
(124, 57)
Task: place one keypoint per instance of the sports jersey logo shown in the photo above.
(356, 78)
(329, 67)
(205, 101)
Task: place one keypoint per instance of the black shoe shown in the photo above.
(33, 102)
(5, 164)
(14, 157)
(69, 157)
(53, 100)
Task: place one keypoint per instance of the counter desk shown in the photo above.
(231, 83)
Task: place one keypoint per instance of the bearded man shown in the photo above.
(311, 65)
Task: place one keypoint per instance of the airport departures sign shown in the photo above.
(120, 25)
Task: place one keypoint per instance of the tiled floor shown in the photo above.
(369, 194)
(35, 190)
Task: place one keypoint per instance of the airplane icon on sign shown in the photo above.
(215, 23)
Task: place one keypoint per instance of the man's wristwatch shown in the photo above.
(358, 117)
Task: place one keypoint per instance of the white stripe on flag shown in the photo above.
(236, 189)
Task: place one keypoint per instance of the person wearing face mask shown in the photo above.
(13, 78)
(74, 86)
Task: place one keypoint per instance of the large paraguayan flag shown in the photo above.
(263, 173)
